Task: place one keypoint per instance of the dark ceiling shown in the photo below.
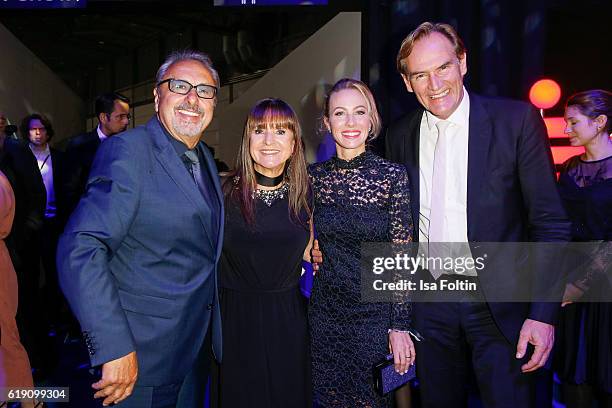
(114, 44)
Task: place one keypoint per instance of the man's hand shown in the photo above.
(118, 379)
(542, 336)
(316, 255)
(400, 344)
(572, 294)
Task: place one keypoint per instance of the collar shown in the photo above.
(353, 163)
(36, 151)
(101, 134)
(460, 117)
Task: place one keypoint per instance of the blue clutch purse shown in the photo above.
(386, 379)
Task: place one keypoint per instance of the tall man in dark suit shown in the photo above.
(113, 114)
(481, 171)
(138, 257)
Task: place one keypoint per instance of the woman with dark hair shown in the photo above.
(358, 197)
(584, 352)
(265, 336)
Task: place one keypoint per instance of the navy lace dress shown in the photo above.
(362, 200)
(584, 345)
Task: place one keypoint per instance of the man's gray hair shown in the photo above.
(185, 55)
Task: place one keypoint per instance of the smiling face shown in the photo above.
(270, 147)
(349, 122)
(435, 74)
(185, 116)
(38, 133)
(580, 129)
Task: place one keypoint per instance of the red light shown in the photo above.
(555, 126)
(545, 93)
(562, 153)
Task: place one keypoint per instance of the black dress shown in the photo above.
(362, 200)
(584, 348)
(266, 361)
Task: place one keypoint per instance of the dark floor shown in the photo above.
(73, 371)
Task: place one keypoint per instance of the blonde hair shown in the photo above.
(362, 88)
(424, 30)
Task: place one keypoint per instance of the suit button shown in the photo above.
(210, 306)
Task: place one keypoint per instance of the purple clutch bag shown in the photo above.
(386, 379)
(306, 279)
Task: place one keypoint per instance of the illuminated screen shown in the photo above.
(270, 2)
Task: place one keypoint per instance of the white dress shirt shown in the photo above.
(455, 222)
(101, 134)
(45, 166)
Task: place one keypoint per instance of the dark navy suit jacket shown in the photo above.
(80, 152)
(138, 258)
(511, 197)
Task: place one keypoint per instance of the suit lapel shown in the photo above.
(57, 170)
(93, 140)
(481, 131)
(411, 155)
(93, 136)
(216, 193)
(171, 163)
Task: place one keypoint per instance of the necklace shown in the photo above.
(268, 181)
(269, 197)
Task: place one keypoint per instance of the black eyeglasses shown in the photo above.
(182, 87)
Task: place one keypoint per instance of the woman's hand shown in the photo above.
(400, 344)
(316, 256)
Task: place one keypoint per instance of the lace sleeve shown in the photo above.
(597, 267)
(401, 233)
(399, 211)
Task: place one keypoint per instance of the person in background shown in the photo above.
(358, 197)
(3, 124)
(113, 113)
(267, 234)
(583, 358)
(38, 132)
(7, 131)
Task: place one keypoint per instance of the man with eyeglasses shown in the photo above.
(138, 258)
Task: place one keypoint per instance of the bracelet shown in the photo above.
(417, 336)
